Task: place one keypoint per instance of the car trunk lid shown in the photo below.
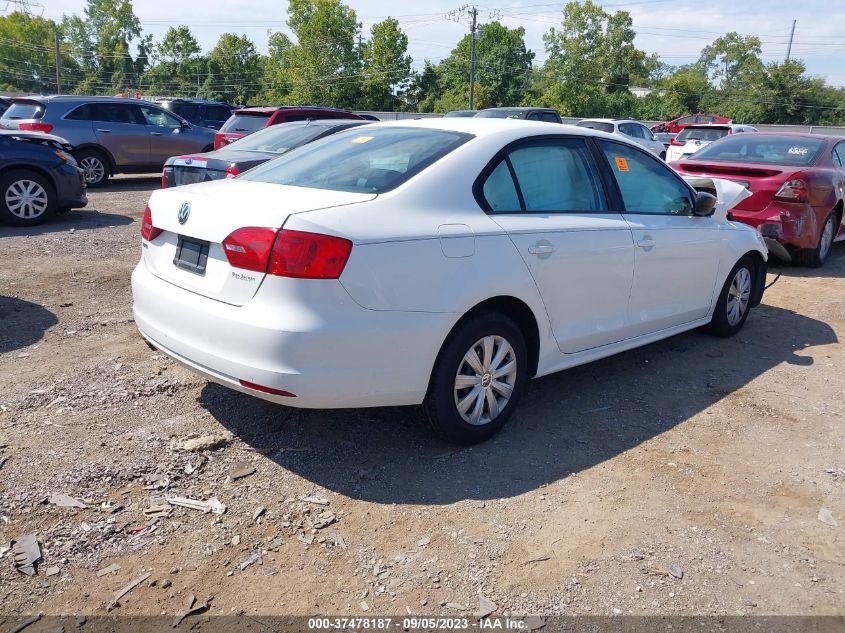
(762, 180)
(215, 210)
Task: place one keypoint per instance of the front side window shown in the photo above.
(82, 113)
(628, 130)
(185, 110)
(159, 118)
(360, 161)
(552, 175)
(646, 184)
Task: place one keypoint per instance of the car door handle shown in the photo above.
(104, 131)
(646, 243)
(541, 249)
(155, 133)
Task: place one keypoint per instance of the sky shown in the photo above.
(675, 29)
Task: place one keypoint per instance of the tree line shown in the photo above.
(591, 64)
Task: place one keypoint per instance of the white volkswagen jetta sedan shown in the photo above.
(436, 262)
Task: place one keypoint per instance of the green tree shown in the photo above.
(789, 96)
(28, 58)
(732, 60)
(277, 83)
(387, 66)
(325, 61)
(178, 64)
(424, 90)
(234, 70)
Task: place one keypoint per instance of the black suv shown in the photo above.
(530, 114)
(210, 114)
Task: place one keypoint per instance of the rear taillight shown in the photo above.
(232, 171)
(36, 127)
(167, 171)
(309, 255)
(677, 143)
(794, 190)
(287, 253)
(148, 231)
(249, 248)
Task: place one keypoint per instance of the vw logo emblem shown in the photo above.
(184, 212)
(188, 161)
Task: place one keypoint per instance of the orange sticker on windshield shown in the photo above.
(361, 139)
(621, 164)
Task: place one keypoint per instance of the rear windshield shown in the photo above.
(24, 110)
(369, 160)
(702, 134)
(756, 148)
(596, 125)
(245, 123)
(278, 138)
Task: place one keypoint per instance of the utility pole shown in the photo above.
(58, 66)
(791, 35)
(474, 13)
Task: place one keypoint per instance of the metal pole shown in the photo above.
(791, 35)
(474, 13)
(58, 66)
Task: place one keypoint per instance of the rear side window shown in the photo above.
(759, 148)
(113, 113)
(647, 185)
(360, 161)
(24, 110)
(245, 123)
(554, 175)
(216, 113)
(82, 113)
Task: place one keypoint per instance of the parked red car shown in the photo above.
(797, 182)
(676, 125)
(248, 120)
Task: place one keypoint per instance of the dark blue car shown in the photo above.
(38, 177)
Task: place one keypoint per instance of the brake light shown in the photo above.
(164, 174)
(232, 171)
(36, 127)
(275, 392)
(249, 248)
(794, 190)
(309, 255)
(677, 143)
(148, 231)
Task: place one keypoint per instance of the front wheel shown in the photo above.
(815, 257)
(478, 378)
(734, 301)
(26, 198)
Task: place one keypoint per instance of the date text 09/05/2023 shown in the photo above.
(411, 623)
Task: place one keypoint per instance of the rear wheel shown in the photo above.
(734, 301)
(477, 380)
(26, 198)
(815, 257)
(95, 167)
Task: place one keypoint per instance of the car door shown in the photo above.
(677, 253)
(549, 196)
(167, 136)
(121, 132)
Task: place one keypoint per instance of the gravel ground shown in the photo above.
(686, 477)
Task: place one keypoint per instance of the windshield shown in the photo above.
(278, 139)
(756, 148)
(702, 134)
(24, 110)
(596, 125)
(369, 160)
(500, 114)
(245, 123)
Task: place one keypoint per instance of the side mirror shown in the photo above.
(705, 204)
(184, 125)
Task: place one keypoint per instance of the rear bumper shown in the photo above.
(794, 225)
(306, 337)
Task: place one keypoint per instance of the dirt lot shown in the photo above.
(710, 459)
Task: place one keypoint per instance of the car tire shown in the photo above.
(734, 302)
(816, 257)
(95, 166)
(26, 198)
(493, 343)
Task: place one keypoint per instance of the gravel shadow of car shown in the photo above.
(79, 220)
(567, 422)
(129, 183)
(23, 323)
(834, 267)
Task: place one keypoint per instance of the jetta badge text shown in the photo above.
(184, 212)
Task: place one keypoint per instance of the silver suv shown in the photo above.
(111, 134)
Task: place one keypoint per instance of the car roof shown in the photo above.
(518, 109)
(272, 109)
(81, 99)
(190, 100)
(324, 123)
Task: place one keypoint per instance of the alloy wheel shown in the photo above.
(26, 199)
(485, 380)
(93, 168)
(738, 296)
